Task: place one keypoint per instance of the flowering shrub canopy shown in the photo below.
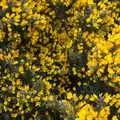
(60, 59)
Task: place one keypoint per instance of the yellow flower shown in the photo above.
(21, 69)
(28, 96)
(74, 70)
(114, 118)
(4, 88)
(69, 95)
(14, 115)
(18, 82)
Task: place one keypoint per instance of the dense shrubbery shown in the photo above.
(60, 59)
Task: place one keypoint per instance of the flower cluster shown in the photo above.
(59, 59)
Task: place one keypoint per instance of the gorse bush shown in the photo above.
(59, 60)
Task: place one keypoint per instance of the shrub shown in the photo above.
(59, 59)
